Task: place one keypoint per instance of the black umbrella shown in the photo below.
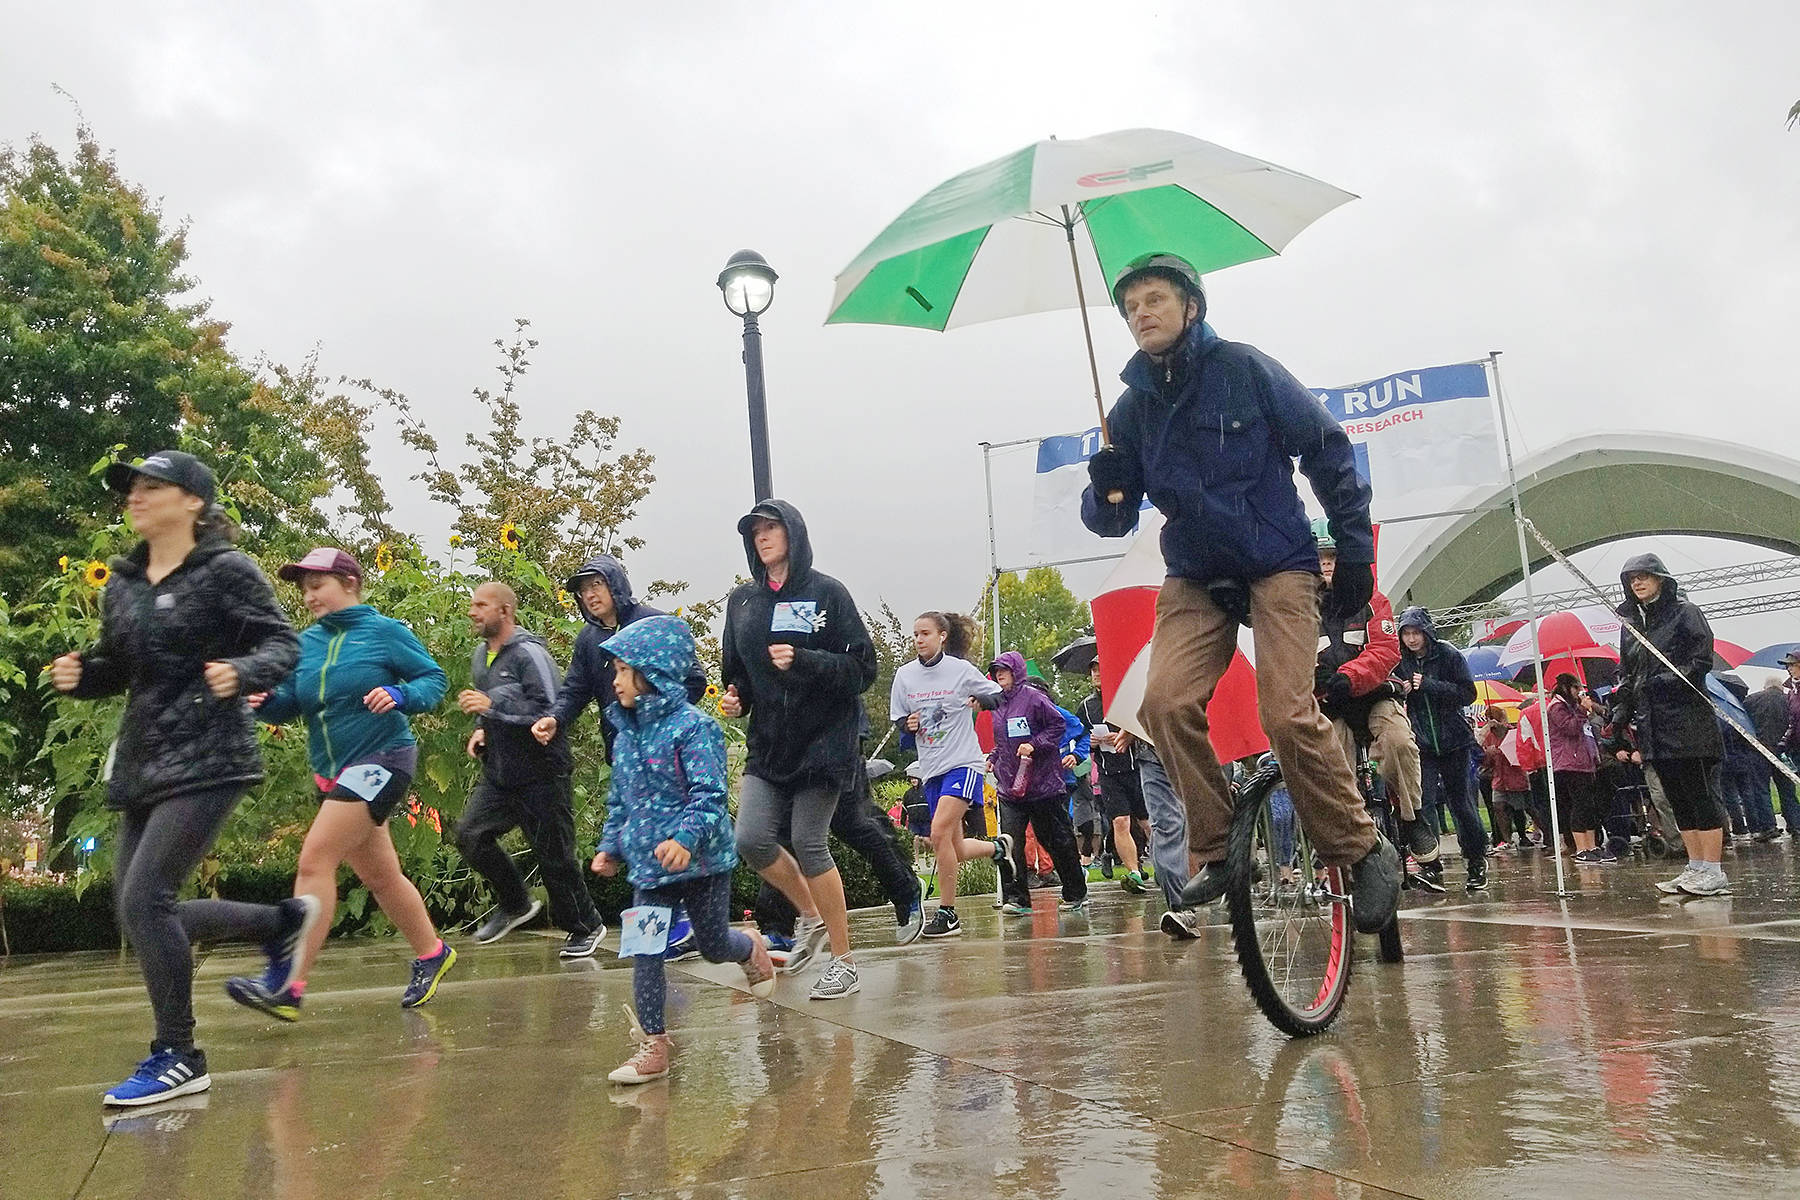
(1077, 657)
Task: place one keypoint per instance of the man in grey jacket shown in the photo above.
(524, 783)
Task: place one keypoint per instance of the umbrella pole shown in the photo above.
(1087, 331)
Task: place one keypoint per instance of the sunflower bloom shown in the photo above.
(562, 598)
(384, 558)
(509, 536)
(712, 691)
(96, 574)
(455, 540)
(62, 564)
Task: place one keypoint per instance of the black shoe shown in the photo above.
(583, 945)
(944, 923)
(1106, 866)
(1050, 879)
(1477, 878)
(1206, 886)
(1769, 835)
(1421, 843)
(502, 923)
(1003, 863)
(1375, 887)
(1431, 876)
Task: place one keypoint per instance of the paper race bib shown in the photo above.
(365, 781)
(644, 931)
(1018, 727)
(797, 616)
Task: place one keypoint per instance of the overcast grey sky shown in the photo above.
(1605, 191)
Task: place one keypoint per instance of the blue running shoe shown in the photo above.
(300, 913)
(778, 943)
(163, 1076)
(427, 973)
(682, 945)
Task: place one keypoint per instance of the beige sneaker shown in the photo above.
(650, 1062)
(759, 970)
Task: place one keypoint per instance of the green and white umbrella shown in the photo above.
(1020, 234)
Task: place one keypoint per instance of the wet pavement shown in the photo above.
(1612, 1045)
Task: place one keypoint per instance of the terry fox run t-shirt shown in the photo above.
(940, 695)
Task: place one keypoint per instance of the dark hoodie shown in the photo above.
(804, 720)
(590, 675)
(521, 685)
(1673, 719)
(1436, 705)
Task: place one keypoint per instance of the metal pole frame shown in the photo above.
(1537, 650)
(987, 471)
(760, 474)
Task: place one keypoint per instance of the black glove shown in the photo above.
(1110, 472)
(1352, 587)
(1337, 689)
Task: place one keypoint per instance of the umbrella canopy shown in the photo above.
(1770, 656)
(1078, 656)
(994, 241)
(1484, 663)
(1728, 656)
(1588, 632)
(1488, 691)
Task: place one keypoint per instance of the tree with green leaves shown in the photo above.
(1039, 615)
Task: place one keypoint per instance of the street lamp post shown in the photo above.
(748, 284)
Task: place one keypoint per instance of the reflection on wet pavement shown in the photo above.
(1613, 1044)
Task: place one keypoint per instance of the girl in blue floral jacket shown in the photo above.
(666, 821)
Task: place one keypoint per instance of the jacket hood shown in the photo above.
(612, 571)
(1418, 617)
(1141, 370)
(1648, 564)
(661, 649)
(1012, 661)
(800, 555)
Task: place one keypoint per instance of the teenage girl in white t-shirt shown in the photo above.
(933, 699)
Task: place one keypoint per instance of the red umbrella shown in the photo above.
(1728, 656)
(1589, 632)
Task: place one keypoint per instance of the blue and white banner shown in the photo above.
(1057, 533)
(1422, 438)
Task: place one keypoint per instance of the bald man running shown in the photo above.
(524, 784)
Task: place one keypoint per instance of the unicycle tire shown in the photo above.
(1391, 949)
(1293, 932)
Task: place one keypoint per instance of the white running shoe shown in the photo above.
(1708, 883)
(810, 941)
(838, 981)
(1677, 885)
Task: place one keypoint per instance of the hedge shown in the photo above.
(45, 919)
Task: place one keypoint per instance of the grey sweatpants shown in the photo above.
(159, 847)
(765, 810)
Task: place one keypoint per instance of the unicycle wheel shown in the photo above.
(1290, 915)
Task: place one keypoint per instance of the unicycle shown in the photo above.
(1290, 914)
(1381, 811)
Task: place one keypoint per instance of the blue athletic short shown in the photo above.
(964, 783)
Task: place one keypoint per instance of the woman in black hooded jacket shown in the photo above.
(189, 627)
(1677, 736)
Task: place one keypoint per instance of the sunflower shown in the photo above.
(384, 558)
(712, 691)
(96, 574)
(562, 598)
(62, 564)
(509, 536)
(455, 540)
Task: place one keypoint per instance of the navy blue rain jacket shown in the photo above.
(1213, 433)
(1436, 707)
(590, 675)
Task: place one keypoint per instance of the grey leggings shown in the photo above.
(159, 847)
(764, 810)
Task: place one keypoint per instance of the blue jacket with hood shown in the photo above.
(668, 775)
(1436, 707)
(344, 656)
(1211, 435)
(590, 674)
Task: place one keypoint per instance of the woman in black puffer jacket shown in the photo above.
(189, 627)
(1677, 735)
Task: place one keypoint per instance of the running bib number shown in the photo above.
(1018, 727)
(365, 781)
(644, 930)
(797, 616)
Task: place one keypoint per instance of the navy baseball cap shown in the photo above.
(170, 466)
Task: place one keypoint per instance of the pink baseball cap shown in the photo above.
(326, 559)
